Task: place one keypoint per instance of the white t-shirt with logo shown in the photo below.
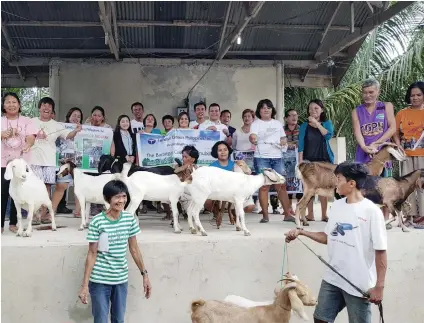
(43, 152)
(136, 126)
(268, 132)
(354, 232)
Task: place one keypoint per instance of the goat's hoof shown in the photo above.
(193, 231)
(238, 229)
(204, 233)
(26, 234)
(81, 228)
(247, 233)
(405, 229)
(19, 233)
(177, 231)
(54, 228)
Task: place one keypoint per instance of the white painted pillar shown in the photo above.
(54, 87)
(280, 92)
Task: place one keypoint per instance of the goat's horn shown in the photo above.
(288, 279)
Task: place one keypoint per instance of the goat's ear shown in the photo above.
(419, 183)
(272, 176)
(8, 174)
(297, 305)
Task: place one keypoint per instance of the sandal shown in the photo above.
(36, 222)
(264, 220)
(310, 220)
(324, 220)
(13, 228)
(289, 219)
(46, 221)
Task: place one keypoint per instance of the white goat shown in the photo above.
(28, 192)
(156, 188)
(89, 188)
(218, 184)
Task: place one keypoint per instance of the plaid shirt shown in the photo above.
(292, 136)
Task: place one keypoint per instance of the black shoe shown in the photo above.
(64, 210)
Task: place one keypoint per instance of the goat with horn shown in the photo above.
(318, 178)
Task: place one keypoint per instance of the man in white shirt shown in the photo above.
(43, 152)
(201, 117)
(214, 115)
(137, 110)
(357, 242)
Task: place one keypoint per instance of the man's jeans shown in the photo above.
(102, 295)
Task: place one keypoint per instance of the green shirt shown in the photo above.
(111, 267)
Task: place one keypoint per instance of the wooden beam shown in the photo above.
(107, 28)
(224, 26)
(370, 24)
(313, 81)
(238, 29)
(31, 80)
(325, 33)
(12, 48)
(173, 23)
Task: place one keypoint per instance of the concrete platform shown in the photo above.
(41, 275)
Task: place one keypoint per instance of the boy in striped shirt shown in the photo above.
(106, 268)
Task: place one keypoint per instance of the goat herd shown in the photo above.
(167, 185)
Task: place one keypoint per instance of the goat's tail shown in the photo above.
(196, 304)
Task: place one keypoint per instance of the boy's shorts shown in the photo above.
(332, 300)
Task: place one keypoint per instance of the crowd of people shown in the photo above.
(374, 122)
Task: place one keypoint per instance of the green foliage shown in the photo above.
(29, 98)
(393, 54)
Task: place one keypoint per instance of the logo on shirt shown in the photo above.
(341, 229)
(372, 129)
(380, 116)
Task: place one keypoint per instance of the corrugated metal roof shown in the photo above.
(202, 40)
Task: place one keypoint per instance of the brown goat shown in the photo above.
(318, 178)
(393, 192)
(294, 295)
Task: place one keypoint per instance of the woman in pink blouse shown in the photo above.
(17, 136)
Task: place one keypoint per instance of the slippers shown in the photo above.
(289, 219)
(264, 221)
(324, 220)
(310, 220)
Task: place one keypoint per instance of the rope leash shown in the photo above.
(365, 294)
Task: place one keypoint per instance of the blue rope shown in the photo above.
(284, 262)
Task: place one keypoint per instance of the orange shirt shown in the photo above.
(410, 123)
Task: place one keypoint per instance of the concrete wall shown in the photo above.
(40, 281)
(115, 86)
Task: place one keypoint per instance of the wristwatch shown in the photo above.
(144, 272)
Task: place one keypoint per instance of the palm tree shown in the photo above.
(393, 53)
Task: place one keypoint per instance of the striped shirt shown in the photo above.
(111, 267)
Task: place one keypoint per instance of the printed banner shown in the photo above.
(290, 160)
(86, 148)
(158, 150)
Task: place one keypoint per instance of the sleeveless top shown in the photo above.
(373, 126)
(229, 167)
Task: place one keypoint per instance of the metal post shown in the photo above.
(54, 87)
(280, 92)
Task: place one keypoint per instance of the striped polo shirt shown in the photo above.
(111, 267)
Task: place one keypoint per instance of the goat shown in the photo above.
(239, 167)
(143, 184)
(89, 187)
(112, 164)
(218, 184)
(293, 295)
(318, 178)
(28, 192)
(393, 192)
